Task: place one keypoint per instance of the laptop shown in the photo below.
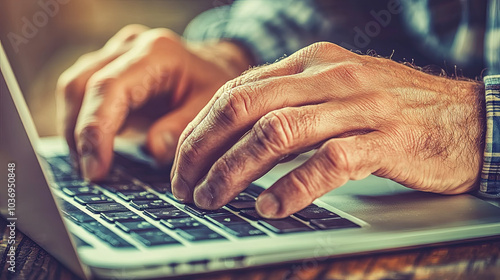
(130, 226)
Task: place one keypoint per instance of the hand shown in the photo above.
(151, 70)
(367, 115)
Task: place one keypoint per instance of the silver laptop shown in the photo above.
(130, 225)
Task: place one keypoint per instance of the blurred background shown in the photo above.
(44, 37)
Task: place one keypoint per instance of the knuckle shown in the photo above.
(322, 46)
(160, 38)
(262, 72)
(231, 84)
(316, 49)
(187, 131)
(188, 154)
(72, 81)
(349, 73)
(99, 83)
(233, 105)
(130, 32)
(82, 63)
(336, 158)
(276, 132)
(222, 171)
(301, 183)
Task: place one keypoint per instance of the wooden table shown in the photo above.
(471, 260)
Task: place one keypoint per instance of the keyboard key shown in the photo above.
(199, 234)
(115, 177)
(254, 190)
(154, 238)
(223, 220)
(285, 225)
(66, 206)
(80, 217)
(250, 214)
(74, 213)
(72, 191)
(59, 164)
(244, 230)
(75, 183)
(125, 161)
(92, 198)
(333, 223)
(239, 205)
(150, 204)
(149, 173)
(165, 213)
(244, 197)
(161, 187)
(121, 216)
(65, 177)
(182, 223)
(315, 212)
(202, 212)
(106, 207)
(171, 196)
(135, 226)
(105, 234)
(141, 195)
(159, 177)
(123, 187)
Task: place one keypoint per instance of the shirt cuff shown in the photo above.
(490, 174)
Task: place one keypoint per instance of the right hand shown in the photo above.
(137, 67)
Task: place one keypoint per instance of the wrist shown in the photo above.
(230, 55)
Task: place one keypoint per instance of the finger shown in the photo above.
(337, 161)
(163, 135)
(237, 106)
(124, 84)
(232, 114)
(272, 138)
(282, 68)
(71, 85)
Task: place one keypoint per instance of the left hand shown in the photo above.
(367, 115)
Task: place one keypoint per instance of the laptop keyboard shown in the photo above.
(134, 192)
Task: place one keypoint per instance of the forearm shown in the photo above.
(231, 56)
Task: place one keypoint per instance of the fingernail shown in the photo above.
(90, 166)
(267, 205)
(179, 188)
(203, 196)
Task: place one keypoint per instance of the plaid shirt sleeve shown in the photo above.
(490, 175)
